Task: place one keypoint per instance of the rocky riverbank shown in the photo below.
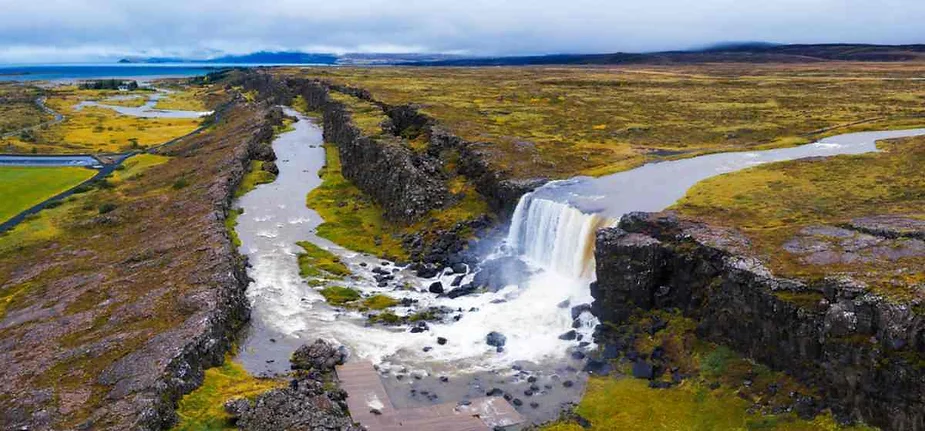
(862, 350)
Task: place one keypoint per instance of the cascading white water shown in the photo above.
(555, 236)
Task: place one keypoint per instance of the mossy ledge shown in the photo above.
(863, 351)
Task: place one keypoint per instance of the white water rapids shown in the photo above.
(552, 231)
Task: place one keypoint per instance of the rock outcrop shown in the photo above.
(864, 351)
(311, 401)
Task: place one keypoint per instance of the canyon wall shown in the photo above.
(865, 352)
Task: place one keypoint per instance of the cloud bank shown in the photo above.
(88, 30)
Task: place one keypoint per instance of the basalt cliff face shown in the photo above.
(145, 297)
(407, 184)
(865, 352)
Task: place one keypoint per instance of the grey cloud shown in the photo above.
(89, 29)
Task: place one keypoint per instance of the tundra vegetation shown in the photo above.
(19, 109)
(560, 122)
(783, 207)
(93, 129)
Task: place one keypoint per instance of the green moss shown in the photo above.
(317, 262)
(379, 302)
(254, 177)
(385, 318)
(231, 223)
(203, 409)
(351, 219)
(339, 296)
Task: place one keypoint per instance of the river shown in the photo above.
(552, 231)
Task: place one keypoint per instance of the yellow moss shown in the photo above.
(254, 177)
(203, 409)
(366, 116)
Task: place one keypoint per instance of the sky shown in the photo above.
(99, 30)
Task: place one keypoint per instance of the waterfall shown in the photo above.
(555, 236)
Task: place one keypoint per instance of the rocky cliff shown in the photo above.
(146, 296)
(864, 351)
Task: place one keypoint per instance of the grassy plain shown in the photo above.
(771, 203)
(561, 122)
(23, 187)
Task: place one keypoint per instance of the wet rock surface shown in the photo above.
(311, 401)
(859, 348)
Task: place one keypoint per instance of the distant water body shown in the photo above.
(76, 72)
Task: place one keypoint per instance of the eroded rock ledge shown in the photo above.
(865, 352)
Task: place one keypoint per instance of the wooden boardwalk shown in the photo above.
(370, 406)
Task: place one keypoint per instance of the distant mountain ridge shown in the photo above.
(731, 52)
(724, 52)
(260, 57)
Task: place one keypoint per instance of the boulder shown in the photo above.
(495, 339)
(318, 356)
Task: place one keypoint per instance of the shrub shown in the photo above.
(107, 207)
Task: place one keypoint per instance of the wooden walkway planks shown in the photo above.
(366, 393)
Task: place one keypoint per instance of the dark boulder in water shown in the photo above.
(436, 287)
(568, 336)
(498, 273)
(495, 339)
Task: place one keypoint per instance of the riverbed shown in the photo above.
(552, 232)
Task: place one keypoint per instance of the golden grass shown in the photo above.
(24, 187)
(190, 99)
(95, 129)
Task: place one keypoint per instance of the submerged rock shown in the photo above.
(495, 339)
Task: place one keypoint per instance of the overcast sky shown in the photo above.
(87, 30)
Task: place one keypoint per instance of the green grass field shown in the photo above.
(23, 187)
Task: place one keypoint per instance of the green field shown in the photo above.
(23, 187)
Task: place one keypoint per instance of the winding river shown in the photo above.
(552, 232)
